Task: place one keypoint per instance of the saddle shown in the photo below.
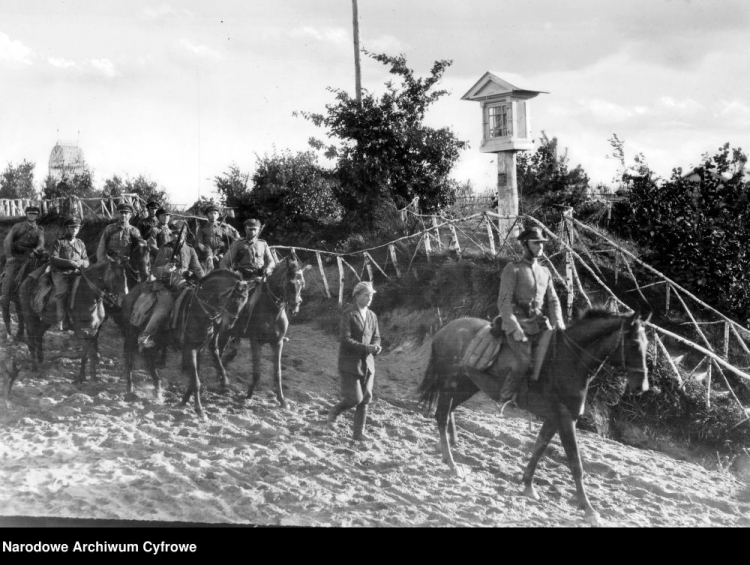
(179, 305)
(142, 308)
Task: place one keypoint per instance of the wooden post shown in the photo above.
(368, 266)
(323, 275)
(427, 248)
(392, 251)
(726, 340)
(437, 233)
(507, 191)
(569, 266)
(708, 385)
(617, 264)
(341, 280)
(357, 71)
(666, 306)
(454, 238)
(490, 236)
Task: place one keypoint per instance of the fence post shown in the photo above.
(490, 236)
(341, 280)
(392, 251)
(437, 233)
(568, 213)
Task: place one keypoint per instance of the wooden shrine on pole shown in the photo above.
(506, 129)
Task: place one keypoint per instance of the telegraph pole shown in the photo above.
(357, 72)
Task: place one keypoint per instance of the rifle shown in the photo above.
(178, 245)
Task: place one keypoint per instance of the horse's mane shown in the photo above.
(583, 333)
(220, 272)
(292, 264)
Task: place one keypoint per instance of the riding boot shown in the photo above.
(334, 412)
(509, 390)
(360, 418)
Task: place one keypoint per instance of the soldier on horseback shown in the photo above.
(67, 258)
(147, 224)
(214, 238)
(524, 287)
(174, 261)
(119, 237)
(161, 234)
(24, 239)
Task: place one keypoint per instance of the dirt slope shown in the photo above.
(90, 452)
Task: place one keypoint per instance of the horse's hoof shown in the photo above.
(202, 416)
(531, 493)
(458, 472)
(593, 518)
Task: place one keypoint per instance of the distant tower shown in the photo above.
(66, 159)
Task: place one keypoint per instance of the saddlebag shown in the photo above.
(482, 350)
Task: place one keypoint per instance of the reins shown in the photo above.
(620, 346)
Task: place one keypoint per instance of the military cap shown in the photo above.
(72, 221)
(364, 286)
(161, 211)
(152, 204)
(211, 208)
(32, 209)
(125, 208)
(532, 234)
(252, 223)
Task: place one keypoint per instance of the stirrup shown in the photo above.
(506, 404)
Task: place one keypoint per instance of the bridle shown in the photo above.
(219, 310)
(279, 301)
(102, 293)
(619, 347)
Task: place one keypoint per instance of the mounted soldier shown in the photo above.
(147, 224)
(525, 285)
(174, 262)
(214, 238)
(67, 258)
(25, 239)
(119, 237)
(161, 234)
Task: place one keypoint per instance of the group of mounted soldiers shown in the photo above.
(174, 263)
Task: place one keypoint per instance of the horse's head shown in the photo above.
(140, 263)
(288, 281)
(115, 279)
(234, 304)
(634, 347)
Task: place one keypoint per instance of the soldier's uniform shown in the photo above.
(160, 235)
(23, 239)
(147, 224)
(68, 255)
(214, 239)
(525, 285)
(252, 258)
(170, 277)
(118, 238)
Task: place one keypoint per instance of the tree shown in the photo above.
(385, 153)
(546, 171)
(80, 185)
(232, 185)
(698, 225)
(144, 187)
(291, 192)
(18, 181)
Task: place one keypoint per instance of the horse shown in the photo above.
(212, 307)
(35, 261)
(268, 321)
(100, 283)
(573, 359)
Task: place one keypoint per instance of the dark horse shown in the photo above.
(573, 358)
(33, 262)
(209, 309)
(268, 322)
(99, 284)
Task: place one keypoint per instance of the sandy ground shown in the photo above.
(92, 452)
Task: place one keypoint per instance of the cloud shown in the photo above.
(386, 44)
(60, 62)
(13, 53)
(200, 50)
(163, 12)
(105, 67)
(334, 35)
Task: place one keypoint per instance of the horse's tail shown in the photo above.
(429, 388)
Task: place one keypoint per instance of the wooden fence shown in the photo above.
(71, 205)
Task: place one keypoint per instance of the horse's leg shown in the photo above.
(276, 356)
(570, 443)
(442, 415)
(94, 356)
(256, 348)
(151, 361)
(128, 351)
(6, 318)
(194, 388)
(84, 357)
(548, 431)
(21, 322)
(221, 372)
(465, 389)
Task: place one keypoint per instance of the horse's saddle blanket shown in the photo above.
(540, 353)
(482, 350)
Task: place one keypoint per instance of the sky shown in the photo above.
(178, 91)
